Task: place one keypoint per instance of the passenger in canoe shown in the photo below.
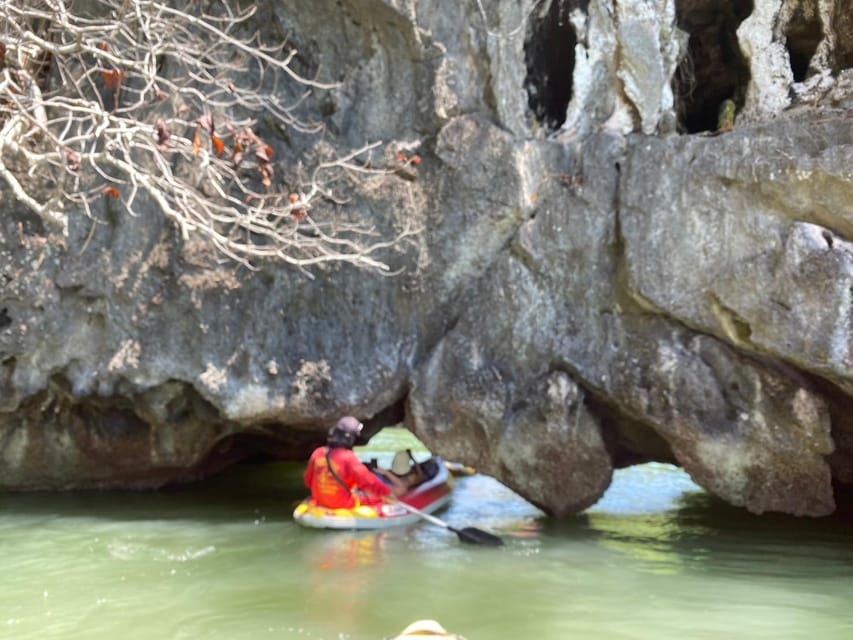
(405, 472)
(338, 479)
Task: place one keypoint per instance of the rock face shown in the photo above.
(602, 278)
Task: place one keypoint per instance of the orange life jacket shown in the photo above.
(354, 477)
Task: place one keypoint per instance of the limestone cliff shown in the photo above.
(603, 277)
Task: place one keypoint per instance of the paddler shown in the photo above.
(338, 479)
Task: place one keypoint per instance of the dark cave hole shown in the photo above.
(391, 415)
(5, 320)
(802, 37)
(248, 447)
(549, 51)
(713, 70)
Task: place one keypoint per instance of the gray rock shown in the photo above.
(586, 293)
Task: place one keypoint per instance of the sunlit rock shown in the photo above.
(540, 440)
(755, 247)
(601, 277)
(769, 64)
(645, 374)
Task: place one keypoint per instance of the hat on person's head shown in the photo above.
(402, 463)
(345, 432)
(349, 423)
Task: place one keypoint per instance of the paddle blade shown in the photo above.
(473, 535)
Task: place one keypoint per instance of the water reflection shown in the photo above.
(662, 523)
(656, 542)
(347, 551)
(341, 571)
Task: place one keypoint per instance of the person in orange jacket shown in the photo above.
(336, 476)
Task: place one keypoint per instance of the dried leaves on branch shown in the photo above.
(140, 101)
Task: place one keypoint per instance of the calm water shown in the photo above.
(656, 558)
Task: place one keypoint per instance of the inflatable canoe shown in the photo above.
(429, 496)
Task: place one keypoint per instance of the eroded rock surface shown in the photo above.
(602, 278)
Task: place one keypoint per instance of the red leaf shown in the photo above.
(218, 145)
(113, 78)
(112, 192)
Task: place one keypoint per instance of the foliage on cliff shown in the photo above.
(139, 102)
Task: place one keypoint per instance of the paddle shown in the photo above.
(470, 535)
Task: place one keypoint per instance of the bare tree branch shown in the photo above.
(141, 101)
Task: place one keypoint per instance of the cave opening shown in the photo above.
(803, 34)
(549, 51)
(713, 69)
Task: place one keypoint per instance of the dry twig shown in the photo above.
(142, 101)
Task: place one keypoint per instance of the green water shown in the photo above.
(656, 558)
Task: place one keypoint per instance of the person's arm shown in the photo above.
(364, 479)
(398, 486)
